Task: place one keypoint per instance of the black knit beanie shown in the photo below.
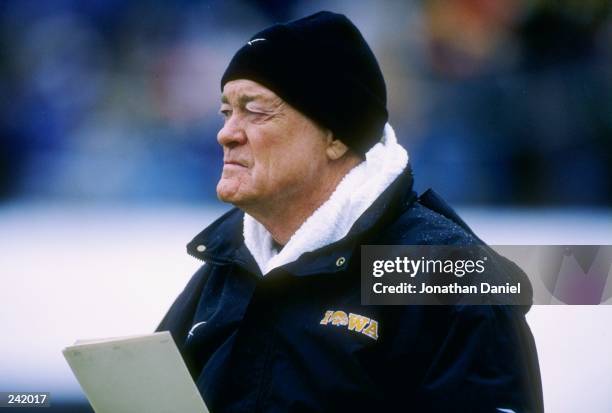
(322, 66)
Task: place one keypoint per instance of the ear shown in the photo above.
(335, 148)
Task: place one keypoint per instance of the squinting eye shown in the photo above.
(254, 110)
(226, 113)
(258, 113)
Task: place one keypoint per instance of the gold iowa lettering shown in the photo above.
(353, 322)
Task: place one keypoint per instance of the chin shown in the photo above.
(229, 191)
(224, 196)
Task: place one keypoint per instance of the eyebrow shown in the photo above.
(244, 99)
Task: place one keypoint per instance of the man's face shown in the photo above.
(271, 152)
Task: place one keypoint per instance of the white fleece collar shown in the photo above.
(384, 162)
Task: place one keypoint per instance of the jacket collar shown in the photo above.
(222, 242)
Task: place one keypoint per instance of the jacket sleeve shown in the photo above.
(179, 317)
(483, 359)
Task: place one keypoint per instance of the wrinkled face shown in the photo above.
(271, 151)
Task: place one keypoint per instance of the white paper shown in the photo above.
(134, 375)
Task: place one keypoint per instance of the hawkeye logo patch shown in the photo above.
(353, 322)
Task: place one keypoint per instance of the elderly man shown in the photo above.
(273, 321)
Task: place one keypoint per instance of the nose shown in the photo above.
(232, 133)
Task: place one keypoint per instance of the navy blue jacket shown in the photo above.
(298, 339)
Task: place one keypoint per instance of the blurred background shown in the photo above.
(109, 159)
(498, 101)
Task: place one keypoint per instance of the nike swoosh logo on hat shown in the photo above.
(259, 39)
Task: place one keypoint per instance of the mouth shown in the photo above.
(233, 163)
